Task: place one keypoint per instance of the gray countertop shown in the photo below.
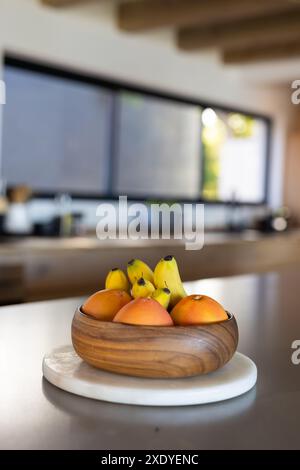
(36, 244)
(36, 415)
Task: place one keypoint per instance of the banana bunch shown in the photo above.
(163, 285)
(166, 274)
(137, 269)
(117, 279)
(142, 288)
(162, 296)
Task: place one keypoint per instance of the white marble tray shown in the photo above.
(64, 369)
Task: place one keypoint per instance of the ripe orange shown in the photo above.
(197, 309)
(104, 304)
(144, 311)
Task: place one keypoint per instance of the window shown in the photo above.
(66, 132)
(158, 148)
(56, 133)
(234, 156)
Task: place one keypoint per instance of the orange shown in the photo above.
(197, 309)
(144, 311)
(104, 304)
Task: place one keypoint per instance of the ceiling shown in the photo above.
(258, 38)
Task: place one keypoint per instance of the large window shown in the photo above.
(63, 132)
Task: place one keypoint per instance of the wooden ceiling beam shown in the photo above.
(259, 31)
(243, 55)
(147, 14)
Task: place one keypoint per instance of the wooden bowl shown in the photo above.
(154, 351)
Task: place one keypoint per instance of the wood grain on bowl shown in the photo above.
(154, 351)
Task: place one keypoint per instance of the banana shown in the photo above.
(162, 296)
(142, 288)
(166, 274)
(117, 279)
(137, 269)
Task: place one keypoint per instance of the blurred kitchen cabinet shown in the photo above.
(12, 288)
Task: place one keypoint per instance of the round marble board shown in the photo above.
(64, 369)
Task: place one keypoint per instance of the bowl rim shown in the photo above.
(230, 318)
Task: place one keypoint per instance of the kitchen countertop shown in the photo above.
(17, 245)
(36, 415)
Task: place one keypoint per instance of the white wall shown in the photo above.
(86, 38)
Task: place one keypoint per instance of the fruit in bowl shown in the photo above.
(144, 311)
(146, 297)
(144, 324)
(105, 304)
(142, 288)
(196, 310)
(166, 274)
(117, 279)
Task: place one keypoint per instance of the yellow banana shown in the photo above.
(166, 274)
(142, 288)
(117, 279)
(137, 269)
(162, 296)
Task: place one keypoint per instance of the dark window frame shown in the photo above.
(121, 86)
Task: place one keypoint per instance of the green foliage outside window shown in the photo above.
(225, 126)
